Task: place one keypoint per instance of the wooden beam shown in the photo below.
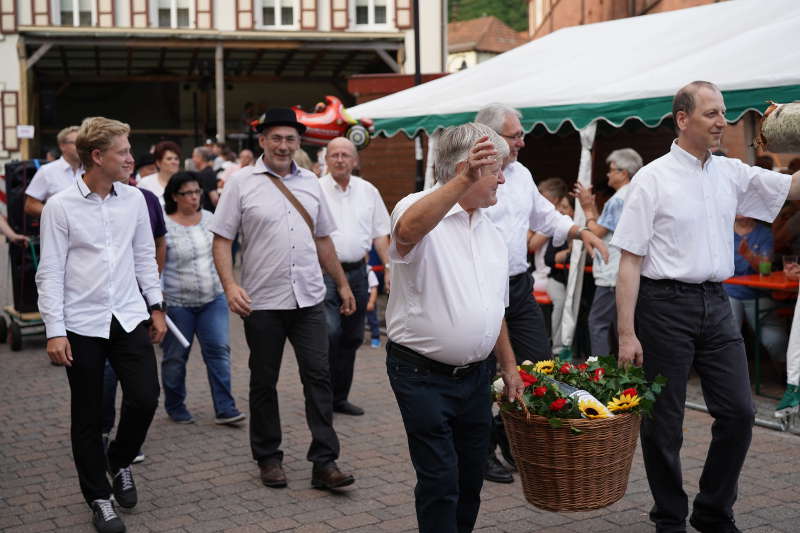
(64, 65)
(37, 55)
(346, 61)
(389, 60)
(314, 62)
(256, 60)
(284, 62)
(55, 77)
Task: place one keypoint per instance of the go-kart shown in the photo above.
(330, 120)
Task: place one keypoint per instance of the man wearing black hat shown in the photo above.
(280, 212)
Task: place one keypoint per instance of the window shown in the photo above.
(173, 13)
(76, 12)
(277, 14)
(370, 14)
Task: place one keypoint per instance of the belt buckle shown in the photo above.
(457, 370)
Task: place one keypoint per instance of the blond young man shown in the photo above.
(97, 251)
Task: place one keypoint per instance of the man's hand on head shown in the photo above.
(482, 154)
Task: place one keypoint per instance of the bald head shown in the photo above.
(341, 157)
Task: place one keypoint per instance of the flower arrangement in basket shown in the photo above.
(574, 431)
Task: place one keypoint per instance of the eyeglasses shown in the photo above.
(517, 136)
(193, 192)
(278, 139)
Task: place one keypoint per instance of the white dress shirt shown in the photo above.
(51, 178)
(679, 213)
(449, 293)
(521, 207)
(280, 266)
(94, 250)
(360, 216)
(152, 184)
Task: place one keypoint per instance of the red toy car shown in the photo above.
(330, 120)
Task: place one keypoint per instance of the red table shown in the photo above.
(562, 266)
(775, 281)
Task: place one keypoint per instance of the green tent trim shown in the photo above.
(650, 111)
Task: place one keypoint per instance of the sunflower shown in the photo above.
(591, 408)
(624, 402)
(545, 367)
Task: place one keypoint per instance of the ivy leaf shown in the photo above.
(555, 422)
(575, 431)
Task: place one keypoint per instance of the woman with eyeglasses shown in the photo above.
(195, 303)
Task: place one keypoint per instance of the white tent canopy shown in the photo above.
(617, 70)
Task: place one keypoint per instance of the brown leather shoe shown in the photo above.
(330, 477)
(272, 475)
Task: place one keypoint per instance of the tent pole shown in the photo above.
(577, 257)
(420, 181)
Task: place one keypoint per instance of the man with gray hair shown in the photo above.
(444, 318)
(520, 208)
(622, 165)
(202, 158)
(55, 176)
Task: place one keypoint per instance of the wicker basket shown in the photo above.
(564, 471)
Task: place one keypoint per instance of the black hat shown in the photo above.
(278, 116)
(144, 160)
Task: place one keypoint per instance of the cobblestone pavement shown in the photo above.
(200, 477)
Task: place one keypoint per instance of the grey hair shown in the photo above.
(205, 153)
(494, 115)
(626, 159)
(455, 143)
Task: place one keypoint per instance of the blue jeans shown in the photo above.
(374, 323)
(448, 422)
(210, 323)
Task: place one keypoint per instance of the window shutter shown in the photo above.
(402, 14)
(244, 15)
(10, 118)
(308, 14)
(105, 13)
(203, 14)
(340, 13)
(40, 10)
(140, 13)
(8, 16)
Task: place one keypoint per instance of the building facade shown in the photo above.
(185, 69)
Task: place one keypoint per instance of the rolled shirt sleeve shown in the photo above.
(397, 214)
(38, 188)
(544, 218)
(54, 237)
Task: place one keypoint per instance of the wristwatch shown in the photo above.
(584, 228)
(156, 307)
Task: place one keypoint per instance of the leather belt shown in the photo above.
(349, 267)
(410, 356)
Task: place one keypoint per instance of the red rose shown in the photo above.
(583, 367)
(630, 392)
(598, 374)
(558, 404)
(527, 379)
(565, 368)
(539, 391)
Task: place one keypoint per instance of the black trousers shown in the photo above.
(682, 326)
(345, 333)
(528, 336)
(525, 321)
(447, 421)
(266, 333)
(132, 357)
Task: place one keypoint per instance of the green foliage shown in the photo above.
(513, 12)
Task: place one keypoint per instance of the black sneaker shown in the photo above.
(105, 518)
(124, 488)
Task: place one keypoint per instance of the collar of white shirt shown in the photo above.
(685, 158)
(86, 191)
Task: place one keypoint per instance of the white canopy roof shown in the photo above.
(618, 70)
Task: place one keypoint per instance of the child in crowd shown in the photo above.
(556, 191)
(372, 309)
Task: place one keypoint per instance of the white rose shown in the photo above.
(592, 359)
(527, 362)
(498, 386)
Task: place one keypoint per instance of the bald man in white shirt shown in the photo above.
(677, 247)
(56, 175)
(362, 222)
(444, 318)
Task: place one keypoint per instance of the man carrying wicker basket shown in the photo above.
(445, 316)
(676, 240)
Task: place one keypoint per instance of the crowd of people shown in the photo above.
(124, 267)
